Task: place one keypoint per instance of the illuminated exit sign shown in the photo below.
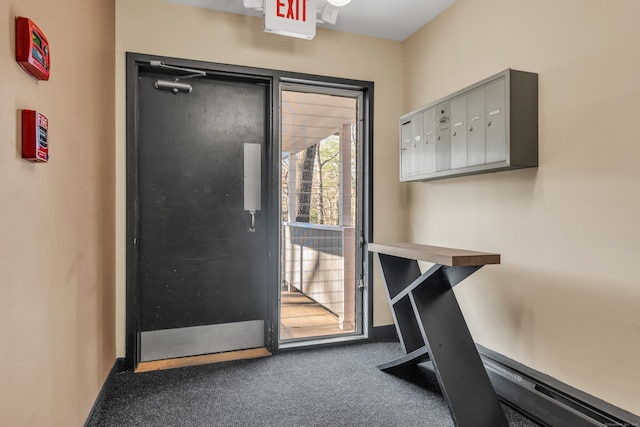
(293, 18)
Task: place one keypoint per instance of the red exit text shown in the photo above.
(292, 9)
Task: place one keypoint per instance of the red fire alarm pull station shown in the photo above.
(32, 49)
(35, 146)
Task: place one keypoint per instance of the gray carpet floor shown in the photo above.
(337, 386)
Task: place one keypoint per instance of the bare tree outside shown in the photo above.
(318, 184)
(305, 184)
(327, 187)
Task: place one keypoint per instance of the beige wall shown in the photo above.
(57, 295)
(201, 34)
(565, 299)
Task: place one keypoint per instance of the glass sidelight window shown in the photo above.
(320, 266)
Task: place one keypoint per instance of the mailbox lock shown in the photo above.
(438, 138)
(471, 129)
(455, 133)
(488, 123)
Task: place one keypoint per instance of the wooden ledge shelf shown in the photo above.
(435, 254)
(430, 325)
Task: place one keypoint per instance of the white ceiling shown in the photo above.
(387, 19)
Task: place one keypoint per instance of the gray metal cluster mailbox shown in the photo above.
(487, 127)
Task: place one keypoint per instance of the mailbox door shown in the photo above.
(417, 128)
(429, 143)
(475, 128)
(406, 164)
(459, 132)
(443, 136)
(495, 131)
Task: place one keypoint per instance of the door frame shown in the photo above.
(272, 79)
(290, 85)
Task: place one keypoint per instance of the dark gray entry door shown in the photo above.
(201, 271)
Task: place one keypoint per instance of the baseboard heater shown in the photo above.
(547, 400)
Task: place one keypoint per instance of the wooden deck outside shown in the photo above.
(301, 317)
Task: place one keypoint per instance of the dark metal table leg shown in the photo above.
(431, 325)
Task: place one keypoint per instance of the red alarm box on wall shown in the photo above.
(32, 49)
(35, 146)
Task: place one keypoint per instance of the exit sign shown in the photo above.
(293, 18)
